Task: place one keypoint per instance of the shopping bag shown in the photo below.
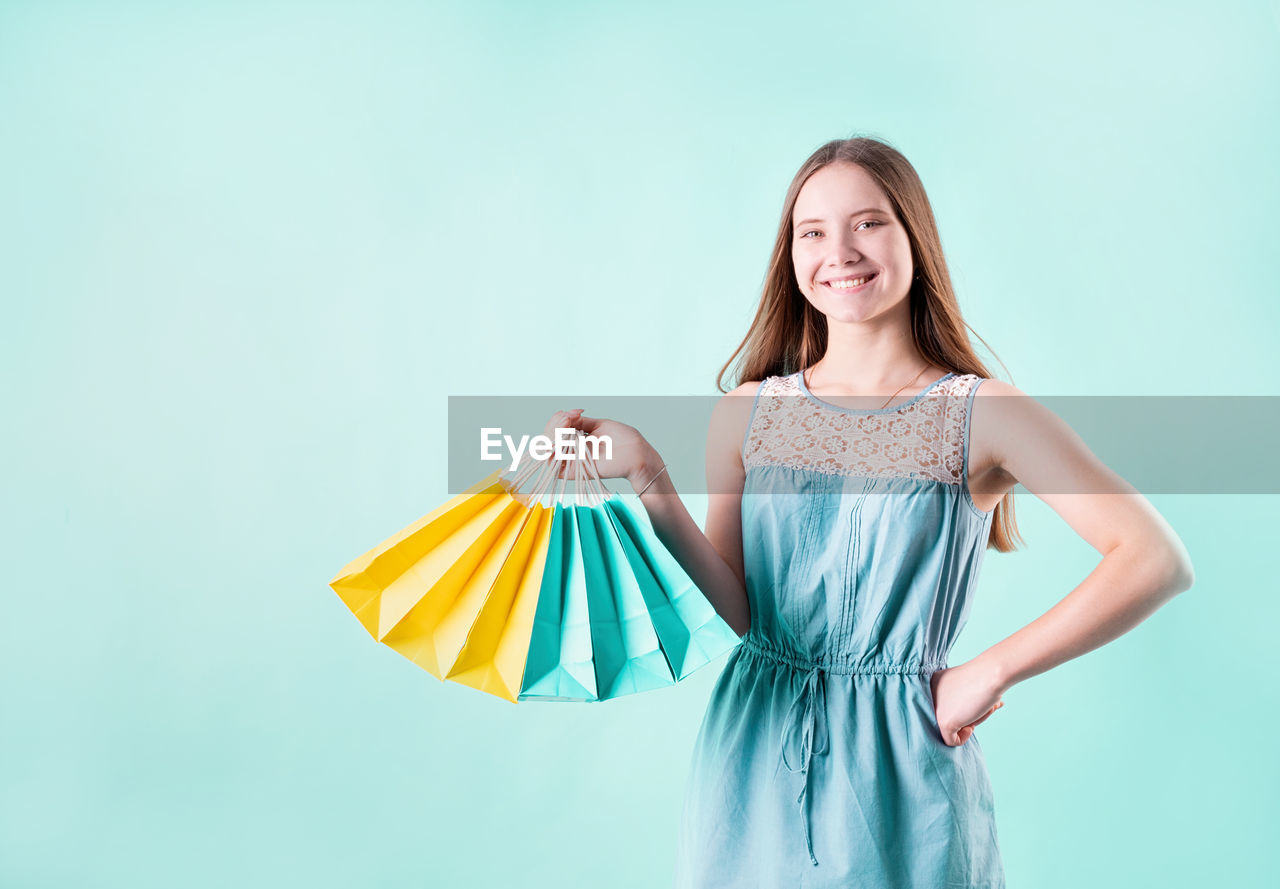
(539, 595)
(692, 634)
(392, 569)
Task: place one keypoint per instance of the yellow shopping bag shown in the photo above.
(382, 586)
(425, 590)
(493, 657)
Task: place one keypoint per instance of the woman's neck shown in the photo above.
(871, 372)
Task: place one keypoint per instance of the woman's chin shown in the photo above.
(856, 311)
(854, 314)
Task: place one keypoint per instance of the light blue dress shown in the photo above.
(819, 762)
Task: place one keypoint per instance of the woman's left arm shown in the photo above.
(1144, 563)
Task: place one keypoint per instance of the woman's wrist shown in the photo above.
(996, 671)
(644, 475)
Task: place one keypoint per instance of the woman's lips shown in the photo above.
(829, 284)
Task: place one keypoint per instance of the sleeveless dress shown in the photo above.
(819, 762)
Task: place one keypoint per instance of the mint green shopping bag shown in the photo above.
(560, 663)
(628, 657)
(691, 632)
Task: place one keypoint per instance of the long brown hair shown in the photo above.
(788, 334)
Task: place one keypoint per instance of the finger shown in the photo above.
(994, 708)
(558, 420)
(589, 424)
(567, 423)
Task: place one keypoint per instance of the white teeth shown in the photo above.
(845, 285)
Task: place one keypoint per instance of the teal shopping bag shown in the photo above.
(628, 655)
(560, 665)
(691, 632)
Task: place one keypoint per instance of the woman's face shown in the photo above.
(843, 230)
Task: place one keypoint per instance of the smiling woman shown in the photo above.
(884, 247)
(843, 543)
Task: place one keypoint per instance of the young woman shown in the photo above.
(843, 543)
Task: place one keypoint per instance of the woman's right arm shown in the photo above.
(712, 560)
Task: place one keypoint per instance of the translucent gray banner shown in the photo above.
(1158, 444)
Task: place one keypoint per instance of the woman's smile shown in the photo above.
(850, 284)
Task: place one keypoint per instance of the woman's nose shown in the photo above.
(842, 250)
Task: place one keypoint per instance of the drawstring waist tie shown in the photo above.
(810, 709)
(804, 731)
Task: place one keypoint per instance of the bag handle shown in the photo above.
(541, 472)
(521, 475)
(593, 473)
(588, 487)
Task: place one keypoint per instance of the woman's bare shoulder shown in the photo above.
(987, 422)
(732, 403)
(729, 421)
(1001, 400)
(734, 406)
(991, 386)
(1004, 419)
(749, 388)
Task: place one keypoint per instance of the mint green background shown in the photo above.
(247, 251)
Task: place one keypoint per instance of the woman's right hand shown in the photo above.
(632, 457)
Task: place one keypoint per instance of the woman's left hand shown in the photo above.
(963, 698)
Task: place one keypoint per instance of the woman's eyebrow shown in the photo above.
(854, 213)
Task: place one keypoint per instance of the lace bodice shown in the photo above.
(923, 437)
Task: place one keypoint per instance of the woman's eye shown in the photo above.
(858, 226)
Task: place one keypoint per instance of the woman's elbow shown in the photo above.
(1180, 574)
(1186, 577)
